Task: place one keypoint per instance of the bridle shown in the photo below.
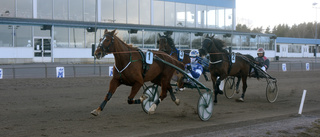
(101, 43)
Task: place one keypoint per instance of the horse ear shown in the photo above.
(113, 32)
(105, 31)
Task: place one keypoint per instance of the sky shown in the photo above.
(257, 13)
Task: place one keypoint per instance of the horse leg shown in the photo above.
(244, 88)
(217, 89)
(114, 84)
(134, 90)
(237, 85)
(214, 79)
(165, 86)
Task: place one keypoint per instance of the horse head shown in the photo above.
(106, 44)
(166, 44)
(207, 44)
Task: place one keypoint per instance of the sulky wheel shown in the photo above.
(229, 87)
(151, 94)
(272, 91)
(205, 106)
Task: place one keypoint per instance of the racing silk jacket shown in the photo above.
(196, 70)
(263, 61)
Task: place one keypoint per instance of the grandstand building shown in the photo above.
(66, 30)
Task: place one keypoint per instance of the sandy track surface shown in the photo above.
(61, 107)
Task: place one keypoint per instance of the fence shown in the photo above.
(101, 70)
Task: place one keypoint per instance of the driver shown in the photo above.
(262, 60)
(193, 68)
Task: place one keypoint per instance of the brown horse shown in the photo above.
(130, 69)
(221, 66)
(167, 45)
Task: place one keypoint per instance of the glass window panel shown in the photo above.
(107, 11)
(123, 35)
(24, 8)
(145, 12)
(22, 37)
(61, 37)
(7, 8)
(77, 38)
(120, 12)
(6, 35)
(42, 33)
(89, 10)
(190, 10)
(196, 41)
(136, 39)
(228, 19)
(236, 42)
(202, 16)
(220, 21)
(149, 39)
(180, 14)
(169, 13)
(76, 10)
(158, 11)
(44, 9)
(89, 39)
(60, 9)
(133, 11)
(211, 17)
(182, 40)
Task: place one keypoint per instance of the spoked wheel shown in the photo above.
(272, 91)
(205, 106)
(151, 94)
(229, 87)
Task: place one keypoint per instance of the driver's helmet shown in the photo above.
(260, 50)
(193, 55)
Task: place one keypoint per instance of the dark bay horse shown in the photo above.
(130, 69)
(221, 66)
(167, 45)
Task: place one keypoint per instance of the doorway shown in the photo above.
(42, 49)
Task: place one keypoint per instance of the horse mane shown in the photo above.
(170, 41)
(220, 45)
(124, 43)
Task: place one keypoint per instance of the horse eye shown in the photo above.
(108, 40)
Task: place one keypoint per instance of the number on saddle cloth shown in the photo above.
(149, 57)
(233, 57)
(181, 55)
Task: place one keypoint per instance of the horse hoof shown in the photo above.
(177, 102)
(240, 100)
(95, 112)
(237, 91)
(152, 109)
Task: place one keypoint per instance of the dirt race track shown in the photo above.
(61, 107)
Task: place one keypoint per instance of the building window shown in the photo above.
(24, 8)
(191, 15)
(133, 11)
(180, 14)
(6, 35)
(158, 13)
(120, 11)
(61, 11)
(61, 37)
(211, 14)
(90, 10)
(201, 16)
(149, 39)
(228, 19)
(169, 14)
(44, 9)
(7, 8)
(182, 40)
(77, 38)
(145, 12)
(22, 37)
(76, 10)
(107, 11)
(294, 48)
(220, 19)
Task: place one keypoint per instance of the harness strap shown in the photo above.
(216, 62)
(145, 66)
(230, 63)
